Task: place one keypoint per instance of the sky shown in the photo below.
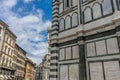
(29, 20)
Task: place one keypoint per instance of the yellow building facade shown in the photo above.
(7, 45)
(19, 59)
(30, 70)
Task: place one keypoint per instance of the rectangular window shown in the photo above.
(0, 30)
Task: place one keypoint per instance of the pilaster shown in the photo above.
(53, 34)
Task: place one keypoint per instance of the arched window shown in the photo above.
(96, 11)
(67, 22)
(74, 19)
(87, 14)
(107, 7)
(61, 25)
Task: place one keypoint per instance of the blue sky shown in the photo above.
(29, 20)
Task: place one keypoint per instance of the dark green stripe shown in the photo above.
(101, 34)
(68, 42)
(54, 45)
(53, 76)
(54, 51)
(56, 8)
(53, 64)
(82, 62)
(118, 28)
(54, 58)
(55, 34)
(55, 24)
(54, 21)
(54, 70)
(55, 16)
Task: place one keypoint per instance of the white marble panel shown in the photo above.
(53, 79)
(67, 22)
(74, 72)
(107, 7)
(74, 19)
(112, 70)
(75, 2)
(63, 72)
(68, 53)
(101, 47)
(96, 71)
(75, 51)
(62, 54)
(97, 11)
(90, 49)
(112, 46)
(87, 14)
(61, 8)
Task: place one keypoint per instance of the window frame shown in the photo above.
(100, 6)
(75, 13)
(60, 24)
(90, 13)
(66, 21)
(65, 4)
(103, 16)
(111, 2)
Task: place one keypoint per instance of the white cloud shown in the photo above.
(27, 1)
(8, 3)
(27, 29)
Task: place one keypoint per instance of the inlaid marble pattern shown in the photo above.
(90, 49)
(75, 50)
(68, 53)
(112, 70)
(96, 71)
(62, 54)
(112, 46)
(101, 47)
(73, 72)
(64, 72)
